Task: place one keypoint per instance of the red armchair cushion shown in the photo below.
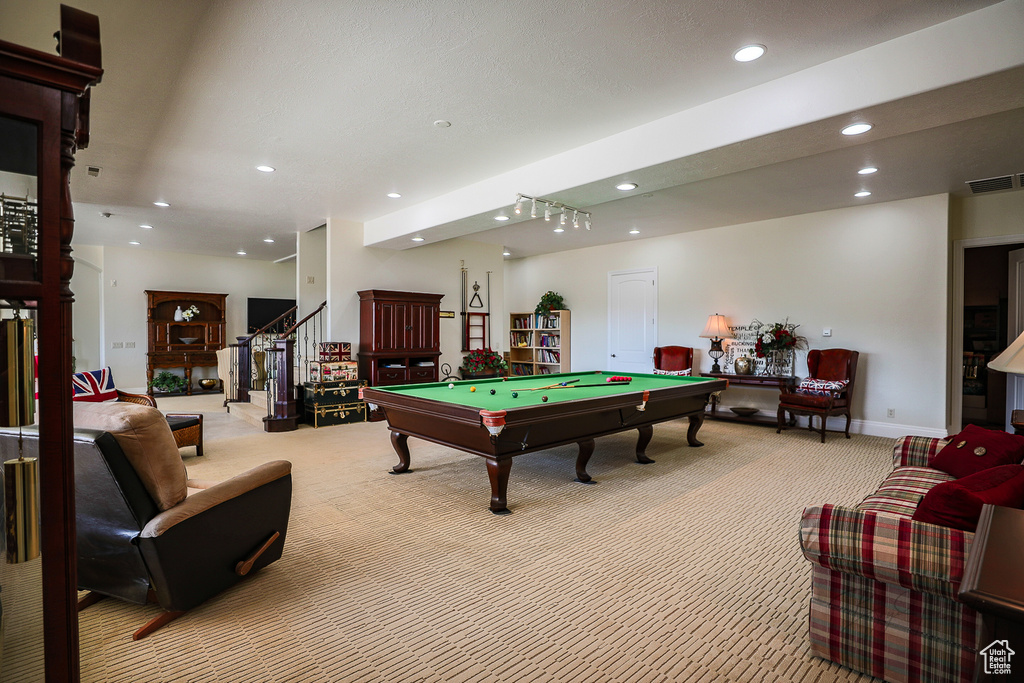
(957, 504)
(811, 401)
(976, 449)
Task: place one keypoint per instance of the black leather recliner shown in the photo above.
(136, 541)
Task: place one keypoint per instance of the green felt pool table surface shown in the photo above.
(461, 392)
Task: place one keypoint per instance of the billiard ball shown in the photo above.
(492, 392)
(451, 386)
(472, 388)
(515, 394)
(544, 399)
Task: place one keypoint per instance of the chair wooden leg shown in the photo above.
(782, 420)
(155, 623)
(848, 424)
(824, 421)
(89, 599)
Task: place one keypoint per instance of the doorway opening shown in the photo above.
(985, 331)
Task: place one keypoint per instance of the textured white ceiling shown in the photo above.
(341, 96)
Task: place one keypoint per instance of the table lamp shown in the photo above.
(1011, 360)
(716, 330)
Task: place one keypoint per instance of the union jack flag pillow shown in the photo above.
(93, 386)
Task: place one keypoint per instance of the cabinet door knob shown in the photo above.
(408, 327)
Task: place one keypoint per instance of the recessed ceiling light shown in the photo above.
(146, 227)
(506, 253)
(441, 123)
(634, 231)
(417, 239)
(394, 195)
(748, 53)
(626, 187)
(268, 240)
(501, 218)
(862, 193)
(164, 204)
(868, 170)
(857, 128)
(240, 252)
(266, 169)
(134, 243)
(559, 229)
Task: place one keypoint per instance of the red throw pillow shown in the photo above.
(976, 449)
(957, 504)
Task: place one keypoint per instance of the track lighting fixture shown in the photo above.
(549, 206)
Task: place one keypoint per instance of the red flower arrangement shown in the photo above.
(776, 337)
(482, 360)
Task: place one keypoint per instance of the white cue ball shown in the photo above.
(451, 386)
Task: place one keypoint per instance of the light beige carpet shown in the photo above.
(684, 570)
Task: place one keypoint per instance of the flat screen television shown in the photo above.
(261, 312)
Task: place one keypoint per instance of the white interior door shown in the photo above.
(632, 320)
(1014, 327)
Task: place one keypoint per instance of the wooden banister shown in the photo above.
(289, 331)
(269, 325)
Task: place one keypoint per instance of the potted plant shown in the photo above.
(551, 301)
(481, 363)
(167, 382)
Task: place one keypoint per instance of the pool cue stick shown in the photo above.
(550, 386)
(489, 340)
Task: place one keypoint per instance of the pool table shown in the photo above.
(504, 417)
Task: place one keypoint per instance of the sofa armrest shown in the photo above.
(894, 550)
(216, 494)
(915, 451)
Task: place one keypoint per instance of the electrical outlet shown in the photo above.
(117, 345)
(891, 412)
(129, 345)
(113, 283)
(310, 279)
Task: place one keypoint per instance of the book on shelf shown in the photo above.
(546, 356)
(520, 339)
(521, 323)
(547, 322)
(549, 340)
(543, 371)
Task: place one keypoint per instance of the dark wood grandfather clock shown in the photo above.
(44, 119)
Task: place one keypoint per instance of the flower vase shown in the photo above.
(178, 315)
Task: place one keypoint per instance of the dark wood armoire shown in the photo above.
(44, 120)
(399, 337)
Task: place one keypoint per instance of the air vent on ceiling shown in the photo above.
(1004, 182)
(94, 171)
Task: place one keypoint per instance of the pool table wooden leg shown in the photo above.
(401, 444)
(497, 472)
(586, 450)
(646, 432)
(691, 434)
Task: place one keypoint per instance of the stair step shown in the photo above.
(252, 414)
(259, 398)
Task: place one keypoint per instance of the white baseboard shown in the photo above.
(894, 431)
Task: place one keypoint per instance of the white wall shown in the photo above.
(876, 275)
(87, 312)
(433, 268)
(135, 270)
(311, 262)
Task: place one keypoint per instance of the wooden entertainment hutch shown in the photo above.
(399, 339)
(183, 344)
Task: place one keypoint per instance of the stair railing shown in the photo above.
(252, 357)
(288, 365)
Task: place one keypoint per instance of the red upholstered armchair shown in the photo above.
(828, 389)
(673, 358)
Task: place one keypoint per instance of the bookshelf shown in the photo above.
(538, 343)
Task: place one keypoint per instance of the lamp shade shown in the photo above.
(1011, 360)
(717, 328)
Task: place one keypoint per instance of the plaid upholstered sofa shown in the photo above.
(884, 587)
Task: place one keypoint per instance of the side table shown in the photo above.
(1017, 422)
(765, 381)
(992, 585)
